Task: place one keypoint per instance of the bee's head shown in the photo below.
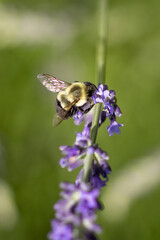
(91, 88)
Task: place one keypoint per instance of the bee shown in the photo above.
(71, 97)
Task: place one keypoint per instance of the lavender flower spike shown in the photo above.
(75, 156)
(76, 213)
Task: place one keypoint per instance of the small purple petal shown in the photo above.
(68, 186)
(97, 181)
(60, 231)
(100, 154)
(117, 111)
(71, 162)
(93, 227)
(108, 108)
(114, 128)
(86, 113)
(75, 164)
(78, 118)
(106, 93)
(111, 94)
(105, 169)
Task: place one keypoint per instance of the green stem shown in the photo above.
(101, 71)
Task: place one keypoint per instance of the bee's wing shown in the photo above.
(57, 120)
(51, 83)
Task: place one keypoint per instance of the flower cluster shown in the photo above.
(76, 213)
(75, 156)
(110, 108)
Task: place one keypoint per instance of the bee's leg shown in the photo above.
(72, 108)
(87, 110)
(73, 111)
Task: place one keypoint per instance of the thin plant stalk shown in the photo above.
(101, 72)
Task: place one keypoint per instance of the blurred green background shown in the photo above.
(59, 37)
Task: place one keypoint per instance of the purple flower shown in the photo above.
(117, 111)
(100, 154)
(87, 202)
(99, 169)
(75, 156)
(98, 174)
(78, 117)
(112, 95)
(76, 210)
(86, 113)
(83, 138)
(114, 128)
(101, 94)
(60, 231)
(110, 108)
(72, 158)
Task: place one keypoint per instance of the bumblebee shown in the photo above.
(71, 97)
